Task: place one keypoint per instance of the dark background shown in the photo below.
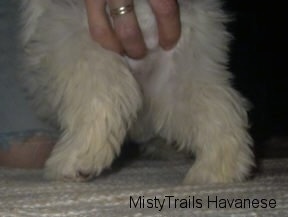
(258, 61)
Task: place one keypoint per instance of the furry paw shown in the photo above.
(207, 174)
(68, 169)
(78, 164)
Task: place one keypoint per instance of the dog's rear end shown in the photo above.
(97, 97)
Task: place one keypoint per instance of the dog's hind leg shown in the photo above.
(193, 103)
(90, 90)
(99, 100)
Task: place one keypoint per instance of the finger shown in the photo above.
(100, 27)
(127, 30)
(168, 21)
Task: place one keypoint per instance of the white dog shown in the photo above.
(98, 97)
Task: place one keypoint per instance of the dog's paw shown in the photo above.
(198, 175)
(75, 165)
(68, 168)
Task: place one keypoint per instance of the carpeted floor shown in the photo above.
(25, 193)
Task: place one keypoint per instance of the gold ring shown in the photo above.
(122, 10)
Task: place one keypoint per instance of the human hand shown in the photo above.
(126, 37)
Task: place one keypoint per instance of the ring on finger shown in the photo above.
(122, 10)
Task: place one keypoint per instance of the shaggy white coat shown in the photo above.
(98, 98)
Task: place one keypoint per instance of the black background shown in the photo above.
(258, 61)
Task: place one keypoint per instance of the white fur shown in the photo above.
(98, 98)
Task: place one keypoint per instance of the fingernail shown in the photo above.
(168, 47)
